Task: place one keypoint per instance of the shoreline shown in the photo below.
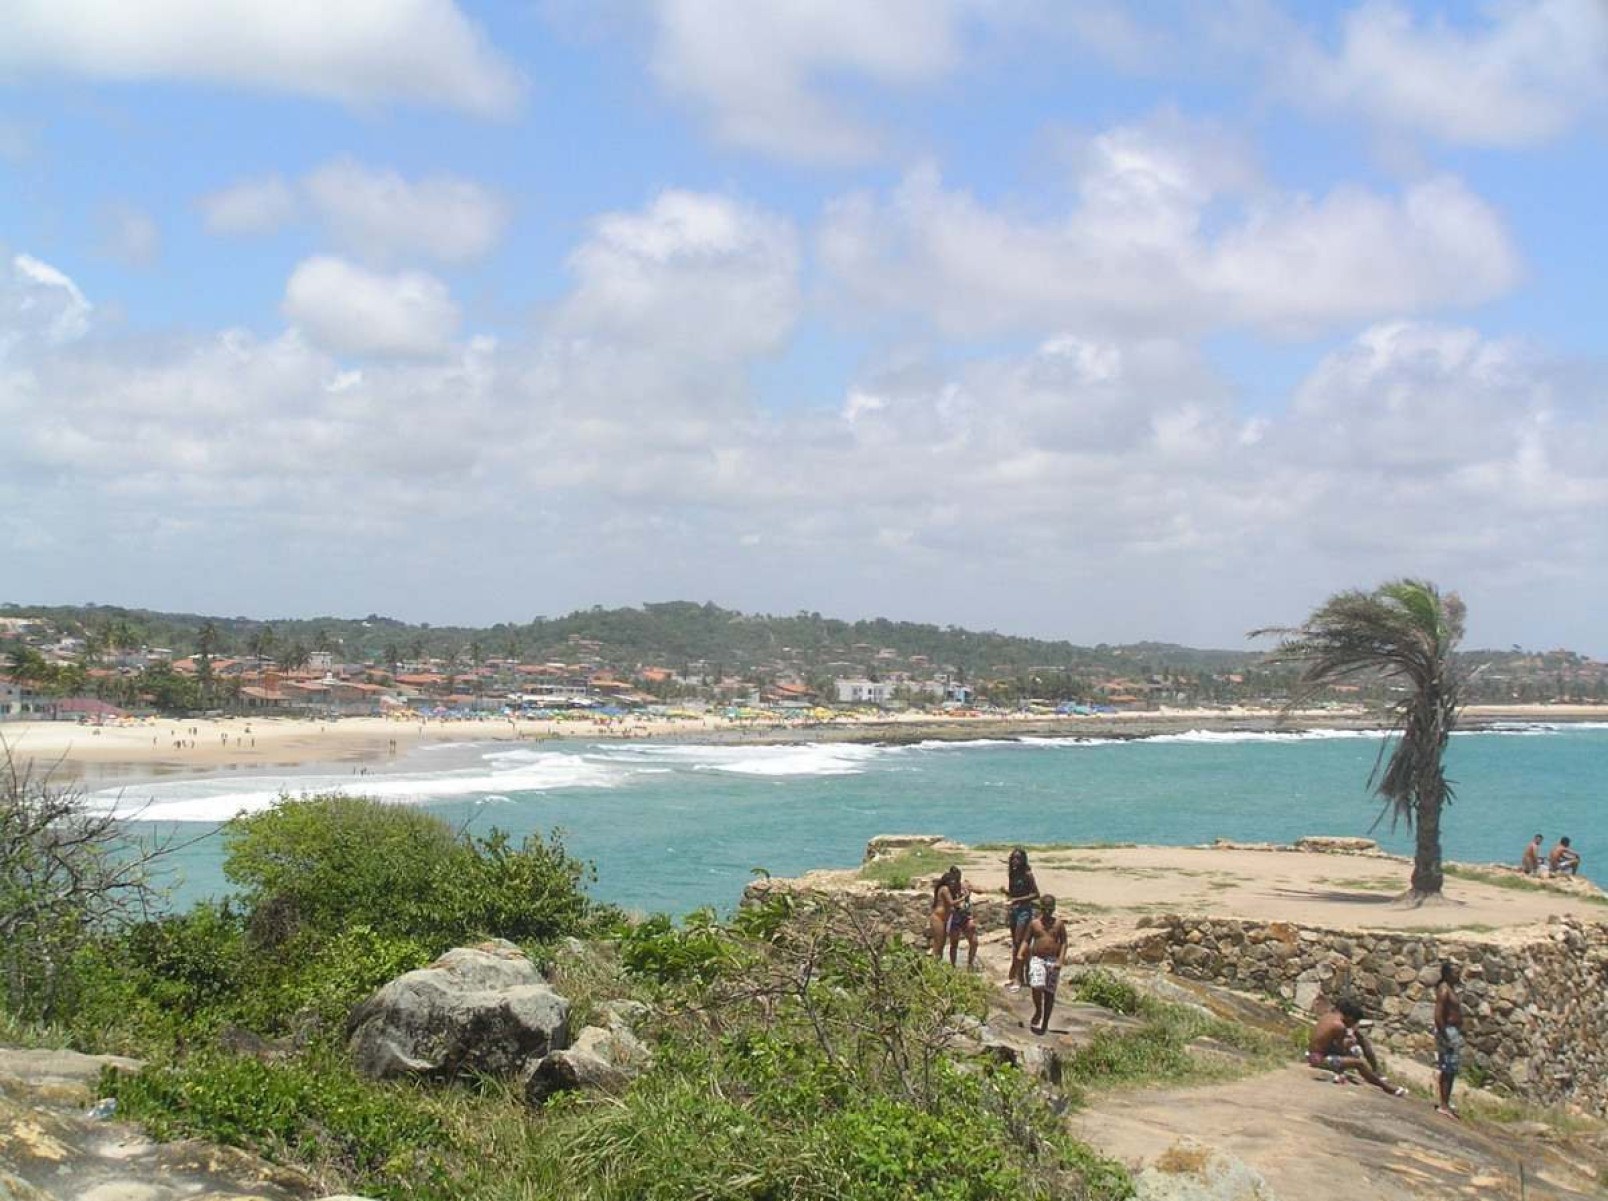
(153, 748)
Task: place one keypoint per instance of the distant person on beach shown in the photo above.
(962, 922)
(1021, 891)
(1046, 936)
(1448, 1036)
(1338, 1045)
(1564, 860)
(1530, 861)
(944, 891)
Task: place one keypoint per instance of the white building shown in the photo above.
(864, 692)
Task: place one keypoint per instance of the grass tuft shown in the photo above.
(911, 868)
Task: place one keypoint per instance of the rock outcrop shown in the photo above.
(477, 1010)
(602, 1059)
(51, 1149)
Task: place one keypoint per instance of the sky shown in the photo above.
(1068, 318)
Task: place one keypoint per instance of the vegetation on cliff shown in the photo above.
(792, 1058)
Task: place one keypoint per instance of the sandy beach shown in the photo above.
(147, 747)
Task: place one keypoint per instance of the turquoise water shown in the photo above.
(673, 827)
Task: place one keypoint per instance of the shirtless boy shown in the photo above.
(1564, 859)
(1530, 861)
(1448, 1036)
(1046, 946)
(1338, 1046)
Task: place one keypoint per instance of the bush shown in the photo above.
(314, 1112)
(68, 875)
(320, 865)
(339, 895)
(1108, 991)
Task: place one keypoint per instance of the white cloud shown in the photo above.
(381, 215)
(376, 214)
(252, 206)
(351, 310)
(1102, 484)
(1526, 72)
(754, 70)
(41, 302)
(129, 236)
(1168, 236)
(694, 274)
(359, 52)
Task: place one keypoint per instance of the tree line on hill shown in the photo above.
(708, 644)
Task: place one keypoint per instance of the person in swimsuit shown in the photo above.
(962, 923)
(1448, 1036)
(1046, 937)
(1021, 893)
(1338, 1046)
(944, 891)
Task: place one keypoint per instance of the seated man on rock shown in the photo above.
(1530, 861)
(1337, 1045)
(1564, 860)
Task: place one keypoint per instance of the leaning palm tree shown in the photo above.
(1402, 631)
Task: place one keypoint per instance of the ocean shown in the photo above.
(672, 827)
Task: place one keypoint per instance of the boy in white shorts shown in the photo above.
(1046, 948)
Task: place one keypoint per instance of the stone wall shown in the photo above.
(899, 910)
(1536, 1004)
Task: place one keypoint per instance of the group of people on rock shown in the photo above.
(1561, 860)
(1038, 935)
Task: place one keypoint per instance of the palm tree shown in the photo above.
(206, 643)
(1404, 631)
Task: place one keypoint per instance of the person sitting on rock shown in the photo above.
(1338, 1045)
(1530, 861)
(1564, 860)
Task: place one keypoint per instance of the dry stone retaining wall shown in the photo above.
(1536, 1011)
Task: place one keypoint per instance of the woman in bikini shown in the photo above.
(1021, 894)
(944, 891)
(962, 923)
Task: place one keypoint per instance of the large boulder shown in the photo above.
(477, 1010)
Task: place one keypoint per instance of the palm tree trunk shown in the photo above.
(1427, 875)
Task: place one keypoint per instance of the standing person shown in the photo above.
(1564, 860)
(1046, 935)
(1530, 861)
(943, 903)
(1021, 892)
(1338, 1046)
(1448, 1036)
(962, 923)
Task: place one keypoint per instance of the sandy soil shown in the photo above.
(163, 746)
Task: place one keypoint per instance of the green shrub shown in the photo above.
(324, 864)
(1108, 991)
(314, 1112)
(658, 950)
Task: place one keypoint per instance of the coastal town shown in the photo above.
(101, 664)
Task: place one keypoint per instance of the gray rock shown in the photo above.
(476, 1010)
(1192, 1171)
(601, 1060)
